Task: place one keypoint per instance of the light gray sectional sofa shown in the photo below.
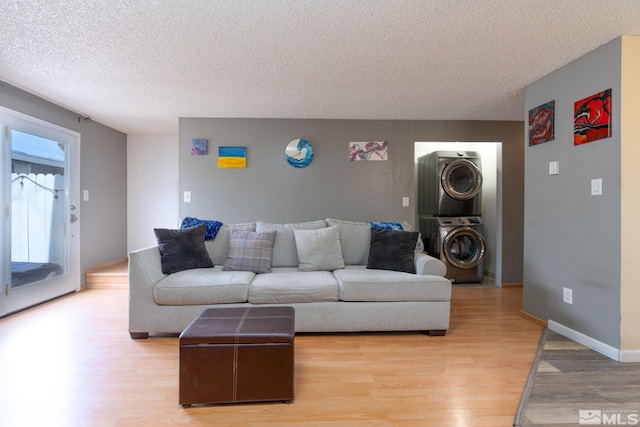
(329, 296)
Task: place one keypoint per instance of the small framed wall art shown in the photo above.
(199, 147)
(541, 123)
(592, 118)
(368, 151)
(232, 157)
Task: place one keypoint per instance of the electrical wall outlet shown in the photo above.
(567, 295)
(554, 168)
(405, 201)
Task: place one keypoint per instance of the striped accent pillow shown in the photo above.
(250, 251)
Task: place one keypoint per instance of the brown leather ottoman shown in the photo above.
(238, 355)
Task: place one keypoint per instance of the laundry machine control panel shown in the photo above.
(463, 220)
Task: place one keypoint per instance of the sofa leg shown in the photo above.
(139, 335)
(435, 332)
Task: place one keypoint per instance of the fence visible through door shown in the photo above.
(38, 232)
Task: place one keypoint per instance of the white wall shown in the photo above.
(152, 187)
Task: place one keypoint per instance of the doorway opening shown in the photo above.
(491, 205)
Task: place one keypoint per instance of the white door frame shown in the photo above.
(12, 300)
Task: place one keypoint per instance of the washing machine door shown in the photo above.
(464, 247)
(461, 179)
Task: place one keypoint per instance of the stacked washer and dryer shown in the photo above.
(449, 210)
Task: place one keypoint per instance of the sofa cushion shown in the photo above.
(284, 248)
(358, 283)
(182, 249)
(287, 285)
(355, 238)
(392, 250)
(218, 248)
(319, 250)
(203, 286)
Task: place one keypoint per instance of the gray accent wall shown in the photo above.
(572, 239)
(333, 186)
(103, 171)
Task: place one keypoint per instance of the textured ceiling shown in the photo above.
(138, 65)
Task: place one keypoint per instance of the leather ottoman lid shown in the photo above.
(241, 325)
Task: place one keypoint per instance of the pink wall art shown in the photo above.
(368, 150)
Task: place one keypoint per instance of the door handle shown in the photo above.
(73, 217)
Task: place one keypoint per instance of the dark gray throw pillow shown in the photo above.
(182, 249)
(392, 250)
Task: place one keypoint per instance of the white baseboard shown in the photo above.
(630, 356)
(587, 341)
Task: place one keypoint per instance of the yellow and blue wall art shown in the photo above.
(232, 157)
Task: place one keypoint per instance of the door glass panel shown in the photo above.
(38, 191)
(464, 248)
(462, 179)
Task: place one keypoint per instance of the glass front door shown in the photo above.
(40, 215)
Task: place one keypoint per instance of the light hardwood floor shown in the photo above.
(71, 363)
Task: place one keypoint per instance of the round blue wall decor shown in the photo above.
(299, 153)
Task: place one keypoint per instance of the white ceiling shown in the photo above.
(138, 65)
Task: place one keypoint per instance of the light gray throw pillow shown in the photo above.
(319, 250)
(284, 248)
(355, 238)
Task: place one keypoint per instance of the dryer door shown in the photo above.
(461, 179)
(464, 247)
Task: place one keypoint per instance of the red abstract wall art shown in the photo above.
(541, 123)
(592, 118)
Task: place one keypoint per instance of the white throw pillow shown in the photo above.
(284, 249)
(319, 250)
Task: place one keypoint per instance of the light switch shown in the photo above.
(554, 168)
(596, 187)
(405, 201)
(85, 195)
(187, 196)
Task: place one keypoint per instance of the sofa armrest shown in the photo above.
(145, 270)
(428, 265)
